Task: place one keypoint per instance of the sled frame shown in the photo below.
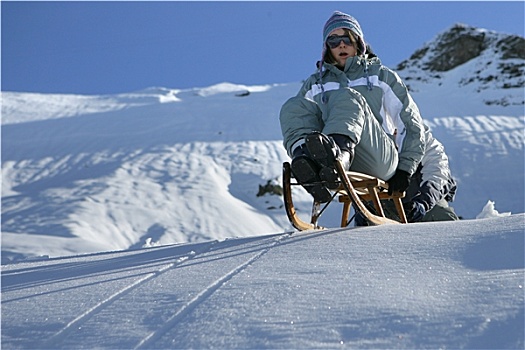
(356, 188)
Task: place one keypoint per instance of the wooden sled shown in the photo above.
(355, 188)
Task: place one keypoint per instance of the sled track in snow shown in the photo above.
(201, 297)
(85, 316)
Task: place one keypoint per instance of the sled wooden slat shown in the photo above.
(288, 202)
(355, 188)
(372, 189)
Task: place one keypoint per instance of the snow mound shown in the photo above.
(489, 211)
(223, 88)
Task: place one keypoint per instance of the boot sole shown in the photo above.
(306, 175)
(330, 178)
(320, 149)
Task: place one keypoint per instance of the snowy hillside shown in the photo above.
(449, 285)
(84, 174)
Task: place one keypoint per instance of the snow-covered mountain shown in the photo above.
(139, 220)
(83, 174)
(486, 60)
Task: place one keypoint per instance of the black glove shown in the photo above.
(414, 211)
(398, 182)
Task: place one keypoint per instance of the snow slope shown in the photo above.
(437, 285)
(148, 170)
(172, 166)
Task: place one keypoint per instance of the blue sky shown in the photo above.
(115, 47)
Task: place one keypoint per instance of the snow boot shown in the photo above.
(325, 150)
(306, 171)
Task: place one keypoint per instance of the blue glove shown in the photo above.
(414, 211)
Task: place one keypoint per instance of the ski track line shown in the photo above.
(201, 297)
(84, 317)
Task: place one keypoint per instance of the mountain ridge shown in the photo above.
(488, 59)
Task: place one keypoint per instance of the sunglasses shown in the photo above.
(334, 41)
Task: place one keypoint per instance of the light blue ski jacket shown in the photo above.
(385, 93)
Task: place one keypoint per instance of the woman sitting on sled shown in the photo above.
(356, 109)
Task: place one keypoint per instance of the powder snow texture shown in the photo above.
(435, 285)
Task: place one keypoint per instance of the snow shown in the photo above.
(434, 285)
(171, 166)
(133, 221)
(489, 211)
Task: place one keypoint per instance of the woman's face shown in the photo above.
(342, 51)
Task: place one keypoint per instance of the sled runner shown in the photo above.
(354, 188)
